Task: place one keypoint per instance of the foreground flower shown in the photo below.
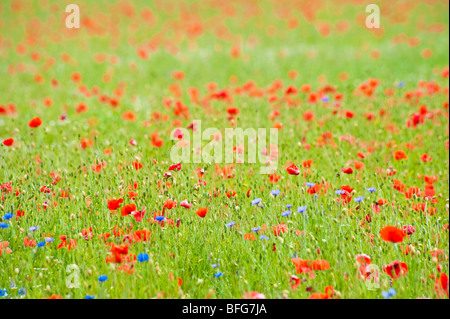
(441, 286)
(396, 269)
(293, 170)
(8, 142)
(392, 234)
(35, 122)
(202, 211)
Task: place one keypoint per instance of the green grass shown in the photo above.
(188, 251)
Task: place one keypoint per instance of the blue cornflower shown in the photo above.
(159, 218)
(275, 192)
(310, 184)
(33, 228)
(3, 225)
(49, 239)
(215, 265)
(301, 209)
(388, 294)
(142, 257)
(230, 224)
(102, 278)
(218, 274)
(325, 99)
(41, 244)
(359, 199)
(256, 229)
(372, 189)
(8, 216)
(89, 297)
(289, 206)
(264, 237)
(3, 292)
(256, 201)
(401, 84)
(286, 213)
(340, 192)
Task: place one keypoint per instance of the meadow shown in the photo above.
(92, 206)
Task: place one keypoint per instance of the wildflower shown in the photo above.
(218, 274)
(392, 234)
(286, 213)
(102, 278)
(185, 204)
(256, 201)
(8, 216)
(230, 224)
(35, 122)
(389, 294)
(396, 269)
(301, 209)
(142, 257)
(441, 286)
(256, 229)
(293, 170)
(275, 192)
(358, 199)
(202, 211)
(8, 142)
(372, 189)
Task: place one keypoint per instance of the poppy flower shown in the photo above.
(114, 204)
(392, 234)
(399, 155)
(202, 211)
(396, 269)
(128, 209)
(175, 167)
(347, 170)
(35, 122)
(293, 170)
(319, 264)
(185, 204)
(426, 158)
(8, 142)
(249, 236)
(441, 286)
(137, 165)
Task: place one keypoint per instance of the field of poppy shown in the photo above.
(92, 206)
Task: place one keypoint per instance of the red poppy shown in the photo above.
(8, 142)
(35, 122)
(396, 269)
(293, 170)
(441, 286)
(426, 158)
(347, 170)
(202, 211)
(399, 155)
(392, 234)
(114, 204)
(128, 209)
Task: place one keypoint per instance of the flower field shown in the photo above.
(354, 203)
